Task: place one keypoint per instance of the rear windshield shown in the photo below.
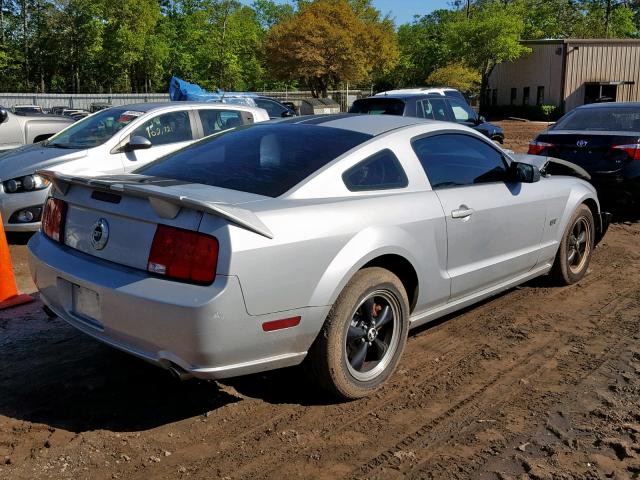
(607, 119)
(378, 106)
(262, 159)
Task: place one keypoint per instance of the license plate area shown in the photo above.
(85, 303)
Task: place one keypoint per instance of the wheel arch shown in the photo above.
(390, 250)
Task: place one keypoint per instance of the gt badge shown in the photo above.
(100, 234)
(581, 143)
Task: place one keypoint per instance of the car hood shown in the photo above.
(552, 165)
(29, 158)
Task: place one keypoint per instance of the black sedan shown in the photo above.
(604, 139)
(432, 106)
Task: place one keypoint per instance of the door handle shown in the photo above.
(462, 212)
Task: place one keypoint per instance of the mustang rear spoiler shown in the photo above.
(166, 204)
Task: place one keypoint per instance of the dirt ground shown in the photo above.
(538, 383)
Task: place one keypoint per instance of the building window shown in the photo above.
(540, 96)
(514, 95)
(494, 97)
(525, 96)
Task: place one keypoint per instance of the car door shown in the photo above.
(494, 227)
(167, 132)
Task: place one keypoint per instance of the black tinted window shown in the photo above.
(378, 172)
(263, 159)
(215, 120)
(607, 119)
(378, 106)
(172, 127)
(437, 109)
(453, 160)
(274, 109)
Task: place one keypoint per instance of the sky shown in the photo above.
(404, 10)
(401, 10)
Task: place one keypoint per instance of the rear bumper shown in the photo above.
(616, 188)
(206, 331)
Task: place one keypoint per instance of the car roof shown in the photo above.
(150, 106)
(405, 96)
(611, 104)
(369, 124)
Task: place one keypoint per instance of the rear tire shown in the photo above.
(574, 254)
(363, 337)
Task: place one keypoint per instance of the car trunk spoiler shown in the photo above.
(165, 203)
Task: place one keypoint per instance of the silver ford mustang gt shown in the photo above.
(317, 239)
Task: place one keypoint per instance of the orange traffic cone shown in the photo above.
(9, 296)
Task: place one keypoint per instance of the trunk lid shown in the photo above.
(592, 150)
(115, 217)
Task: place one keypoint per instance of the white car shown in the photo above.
(116, 140)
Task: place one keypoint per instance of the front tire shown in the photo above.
(363, 337)
(576, 247)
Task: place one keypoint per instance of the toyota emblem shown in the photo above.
(582, 143)
(100, 234)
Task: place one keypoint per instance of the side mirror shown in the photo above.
(480, 119)
(524, 172)
(3, 114)
(287, 114)
(138, 143)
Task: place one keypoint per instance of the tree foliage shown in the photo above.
(136, 45)
(458, 76)
(328, 42)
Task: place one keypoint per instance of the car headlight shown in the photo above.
(28, 183)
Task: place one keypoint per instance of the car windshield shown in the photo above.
(602, 118)
(94, 130)
(261, 159)
(378, 106)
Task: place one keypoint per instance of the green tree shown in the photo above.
(491, 35)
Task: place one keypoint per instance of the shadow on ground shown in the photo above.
(55, 375)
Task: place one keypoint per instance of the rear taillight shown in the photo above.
(55, 212)
(183, 255)
(535, 147)
(632, 149)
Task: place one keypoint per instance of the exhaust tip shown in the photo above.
(179, 373)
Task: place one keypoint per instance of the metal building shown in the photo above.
(569, 73)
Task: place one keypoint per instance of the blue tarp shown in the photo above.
(179, 90)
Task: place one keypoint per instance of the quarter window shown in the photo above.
(172, 127)
(381, 171)
(455, 160)
(215, 120)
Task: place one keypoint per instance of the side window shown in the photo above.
(215, 120)
(273, 109)
(439, 109)
(426, 109)
(380, 171)
(167, 128)
(462, 111)
(454, 160)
